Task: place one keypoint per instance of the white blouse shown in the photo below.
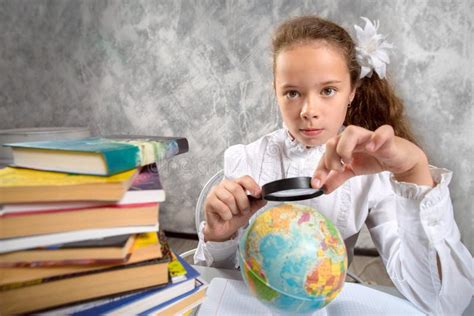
(409, 224)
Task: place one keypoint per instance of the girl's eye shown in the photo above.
(329, 92)
(292, 94)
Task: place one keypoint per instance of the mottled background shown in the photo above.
(202, 69)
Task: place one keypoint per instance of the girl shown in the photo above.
(324, 82)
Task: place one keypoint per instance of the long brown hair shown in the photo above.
(375, 102)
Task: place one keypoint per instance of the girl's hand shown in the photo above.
(228, 208)
(357, 151)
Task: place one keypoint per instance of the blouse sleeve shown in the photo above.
(412, 226)
(223, 254)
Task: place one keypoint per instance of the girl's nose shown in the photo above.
(310, 108)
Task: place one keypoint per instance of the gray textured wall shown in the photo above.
(202, 69)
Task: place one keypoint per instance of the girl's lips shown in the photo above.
(311, 132)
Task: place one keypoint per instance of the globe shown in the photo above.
(293, 259)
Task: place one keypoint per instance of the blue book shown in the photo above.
(181, 303)
(136, 303)
(96, 155)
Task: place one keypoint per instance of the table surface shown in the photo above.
(208, 273)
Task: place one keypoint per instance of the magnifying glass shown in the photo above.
(290, 189)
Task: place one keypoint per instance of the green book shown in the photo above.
(96, 155)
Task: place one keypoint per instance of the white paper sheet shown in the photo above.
(231, 297)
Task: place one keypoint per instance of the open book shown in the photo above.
(231, 297)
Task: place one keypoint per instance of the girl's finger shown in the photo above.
(250, 185)
(332, 160)
(227, 198)
(351, 140)
(320, 174)
(239, 195)
(217, 212)
(335, 179)
(243, 219)
(382, 136)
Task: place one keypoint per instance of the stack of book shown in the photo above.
(79, 229)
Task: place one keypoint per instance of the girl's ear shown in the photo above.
(352, 94)
(354, 89)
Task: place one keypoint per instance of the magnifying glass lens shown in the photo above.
(290, 189)
(293, 192)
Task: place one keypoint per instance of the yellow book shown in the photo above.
(176, 269)
(146, 239)
(26, 185)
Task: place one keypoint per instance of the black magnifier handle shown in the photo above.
(253, 198)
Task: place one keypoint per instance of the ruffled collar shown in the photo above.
(295, 147)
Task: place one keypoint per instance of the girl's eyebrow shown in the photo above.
(330, 82)
(325, 83)
(294, 86)
(287, 86)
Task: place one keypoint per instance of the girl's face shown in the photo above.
(313, 89)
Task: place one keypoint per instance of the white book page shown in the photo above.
(231, 297)
(130, 197)
(14, 244)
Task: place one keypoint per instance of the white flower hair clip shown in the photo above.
(371, 50)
